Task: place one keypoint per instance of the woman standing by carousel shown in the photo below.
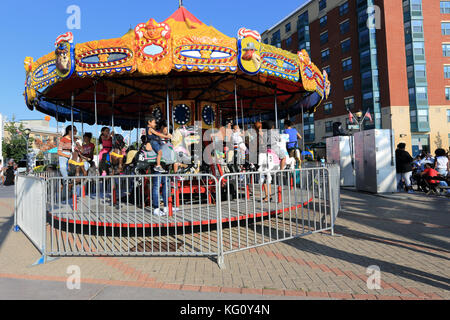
(65, 148)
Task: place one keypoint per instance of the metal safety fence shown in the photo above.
(169, 215)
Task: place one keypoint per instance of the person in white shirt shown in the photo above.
(237, 137)
(441, 163)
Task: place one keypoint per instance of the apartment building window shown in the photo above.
(289, 41)
(421, 93)
(325, 55)
(324, 38)
(446, 50)
(328, 126)
(410, 72)
(348, 84)
(413, 116)
(345, 46)
(408, 48)
(328, 107)
(445, 27)
(349, 103)
(276, 39)
(323, 21)
(347, 64)
(447, 96)
(419, 48)
(343, 9)
(422, 115)
(345, 27)
(445, 7)
(420, 72)
(322, 4)
(416, 5)
(448, 115)
(447, 72)
(417, 26)
(287, 28)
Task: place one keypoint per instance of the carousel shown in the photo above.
(184, 73)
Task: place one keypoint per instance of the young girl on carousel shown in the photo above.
(105, 140)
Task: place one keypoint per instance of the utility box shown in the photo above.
(340, 151)
(375, 161)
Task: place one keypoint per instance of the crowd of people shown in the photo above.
(77, 157)
(430, 174)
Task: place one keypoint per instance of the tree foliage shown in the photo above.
(14, 145)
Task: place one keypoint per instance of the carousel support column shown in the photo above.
(303, 135)
(113, 181)
(96, 120)
(236, 99)
(74, 191)
(138, 128)
(167, 102)
(276, 110)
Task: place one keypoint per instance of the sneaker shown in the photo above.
(157, 212)
(411, 192)
(160, 169)
(166, 211)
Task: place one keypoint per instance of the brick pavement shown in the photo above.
(407, 238)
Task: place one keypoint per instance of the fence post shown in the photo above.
(220, 254)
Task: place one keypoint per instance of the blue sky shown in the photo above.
(30, 28)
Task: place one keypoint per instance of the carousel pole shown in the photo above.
(96, 119)
(242, 114)
(303, 134)
(236, 99)
(74, 196)
(167, 103)
(276, 110)
(112, 109)
(138, 128)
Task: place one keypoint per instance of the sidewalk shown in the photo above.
(407, 239)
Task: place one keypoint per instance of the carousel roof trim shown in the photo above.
(182, 43)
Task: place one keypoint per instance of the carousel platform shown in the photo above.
(101, 212)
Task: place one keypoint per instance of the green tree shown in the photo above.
(15, 144)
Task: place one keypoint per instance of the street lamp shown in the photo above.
(27, 136)
(359, 119)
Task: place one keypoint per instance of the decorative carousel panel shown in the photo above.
(153, 48)
(203, 49)
(249, 51)
(208, 113)
(105, 57)
(183, 113)
(279, 63)
(312, 78)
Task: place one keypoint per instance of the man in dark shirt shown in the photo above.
(404, 168)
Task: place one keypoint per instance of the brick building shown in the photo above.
(389, 57)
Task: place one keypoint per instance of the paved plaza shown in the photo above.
(405, 235)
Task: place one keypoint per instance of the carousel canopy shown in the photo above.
(180, 59)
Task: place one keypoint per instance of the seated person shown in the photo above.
(428, 173)
(154, 142)
(87, 151)
(237, 138)
(294, 136)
